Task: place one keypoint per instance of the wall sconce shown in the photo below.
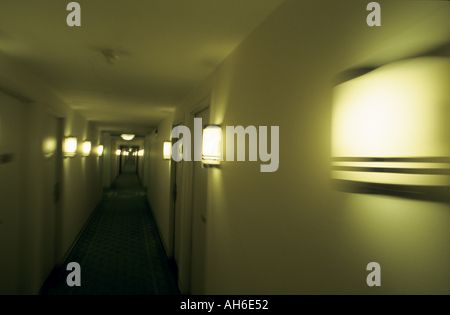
(388, 127)
(100, 150)
(70, 146)
(86, 148)
(212, 146)
(167, 150)
(141, 152)
(118, 152)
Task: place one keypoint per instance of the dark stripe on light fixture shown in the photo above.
(422, 171)
(392, 159)
(405, 190)
(418, 192)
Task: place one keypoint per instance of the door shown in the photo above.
(176, 168)
(199, 219)
(12, 199)
(52, 154)
(120, 161)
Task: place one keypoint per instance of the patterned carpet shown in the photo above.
(120, 251)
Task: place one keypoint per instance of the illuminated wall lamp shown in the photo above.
(212, 146)
(141, 152)
(100, 150)
(118, 152)
(387, 127)
(167, 150)
(87, 148)
(70, 146)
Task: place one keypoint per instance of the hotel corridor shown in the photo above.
(224, 148)
(119, 251)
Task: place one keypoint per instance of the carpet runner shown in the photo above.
(120, 251)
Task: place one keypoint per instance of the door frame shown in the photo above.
(58, 253)
(184, 269)
(172, 204)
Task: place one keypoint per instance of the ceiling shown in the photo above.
(165, 49)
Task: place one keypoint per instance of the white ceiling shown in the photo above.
(166, 48)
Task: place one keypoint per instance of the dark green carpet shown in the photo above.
(120, 251)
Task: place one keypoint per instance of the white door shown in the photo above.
(12, 162)
(199, 219)
(50, 149)
(177, 216)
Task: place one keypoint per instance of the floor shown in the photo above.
(120, 251)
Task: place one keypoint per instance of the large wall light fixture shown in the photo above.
(141, 152)
(70, 146)
(390, 130)
(87, 148)
(212, 146)
(167, 150)
(118, 152)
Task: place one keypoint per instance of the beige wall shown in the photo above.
(288, 232)
(142, 160)
(81, 179)
(82, 182)
(146, 161)
(115, 160)
(159, 181)
(107, 159)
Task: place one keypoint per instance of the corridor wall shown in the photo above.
(159, 181)
(288, 231)
(81, 181)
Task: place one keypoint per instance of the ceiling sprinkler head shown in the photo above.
(111, 56)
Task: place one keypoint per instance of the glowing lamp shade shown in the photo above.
(118, 152)
(167, 150)
(127, 137)
(141, 152)
(100, 150)
(70, 146)
(389, 130)
(212, 145)
(86, 148)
